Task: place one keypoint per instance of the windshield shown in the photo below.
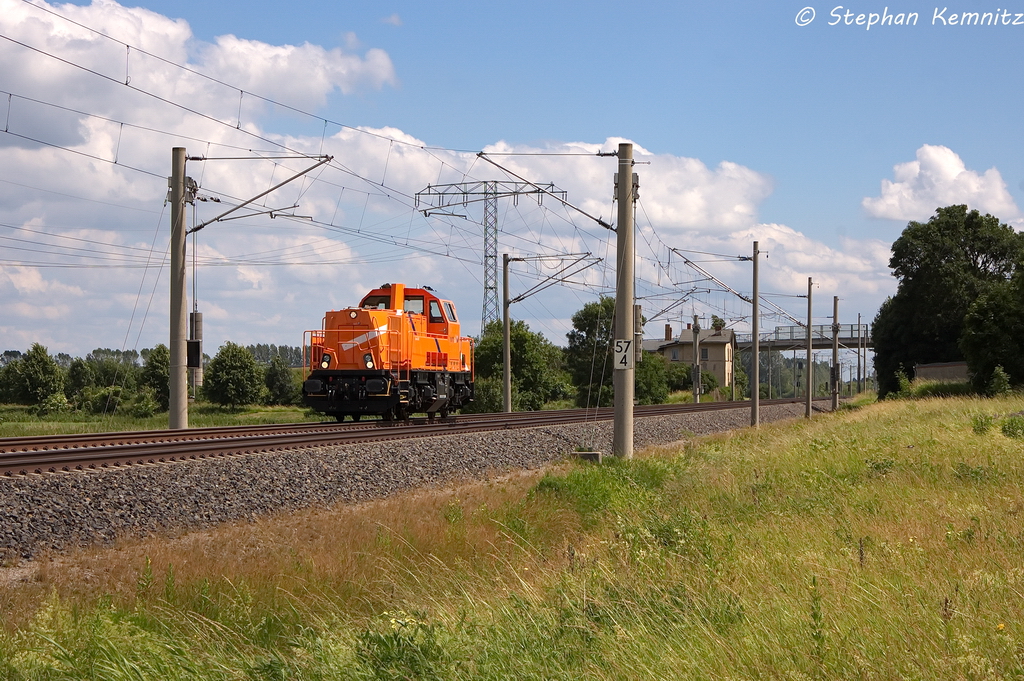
(451, 311)
(414, 304)
(435, 313)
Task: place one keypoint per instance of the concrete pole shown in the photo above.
(809, 369)
(755, 350)
(836, 377)
(506, 371)
(695, 373)
(178, 416)
(623, 379)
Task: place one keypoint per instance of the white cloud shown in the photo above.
(939, 178)
(263, 280)
(302, 75)
(676, 193)
(393, 20)
(29, 281)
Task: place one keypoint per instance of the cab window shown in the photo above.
(435, 313)
(414, 304)
(376, 302)
(450, 309)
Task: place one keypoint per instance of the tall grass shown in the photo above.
(880, 543)
(19, 421)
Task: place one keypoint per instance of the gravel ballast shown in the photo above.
(62, 510)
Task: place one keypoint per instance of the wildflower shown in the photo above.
(1001, 626)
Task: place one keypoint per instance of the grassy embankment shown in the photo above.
(885, 542)
(19, 421)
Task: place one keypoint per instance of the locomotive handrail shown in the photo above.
(314, 336)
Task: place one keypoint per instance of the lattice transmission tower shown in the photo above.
(444, 196)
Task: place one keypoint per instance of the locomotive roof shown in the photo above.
(385, 289)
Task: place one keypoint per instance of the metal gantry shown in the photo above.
(442, 197)
(490, 307)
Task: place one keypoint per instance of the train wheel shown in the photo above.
(339, 417)
(389, 415)
(355, 417)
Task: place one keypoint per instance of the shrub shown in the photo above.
(282, 384)
(903, 390)
(143, 405)
(488, 398)
(982, 423)
(233, 377)
(57, 403)
(102, 400)
(1013, 426)
(999, 384)
(156, 375)
(409, 650)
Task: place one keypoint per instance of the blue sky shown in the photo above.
(757, 128)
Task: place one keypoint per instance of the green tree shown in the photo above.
(265, 353)
(233, 378)
(943, 266)
(993, 333)
(281, 382)
(741, 378)
(37, 376)
(80, 378)
(677, 376)
(10, 381)
(588, 358)
(708, 382)
(488, 397)
(8, 356)
(537, 364)
(115, 368)
(651, 379)
(156, 375)
(588, 355)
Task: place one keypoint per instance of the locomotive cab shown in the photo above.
(398, 352)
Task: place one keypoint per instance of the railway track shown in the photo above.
(50, 454)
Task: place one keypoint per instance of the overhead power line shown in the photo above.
(129, 48)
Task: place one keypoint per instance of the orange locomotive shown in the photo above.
(398, 353)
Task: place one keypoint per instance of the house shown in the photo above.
(717, 350)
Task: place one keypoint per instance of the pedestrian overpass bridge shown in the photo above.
(786, 338)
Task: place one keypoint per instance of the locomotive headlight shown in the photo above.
(325, 361)
(368, 359)
(353, 314)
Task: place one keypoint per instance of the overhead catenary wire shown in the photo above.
(242, 91)
(374, 188)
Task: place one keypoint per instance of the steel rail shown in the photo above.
(22, 456)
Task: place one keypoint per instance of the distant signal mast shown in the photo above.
(443, 197)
